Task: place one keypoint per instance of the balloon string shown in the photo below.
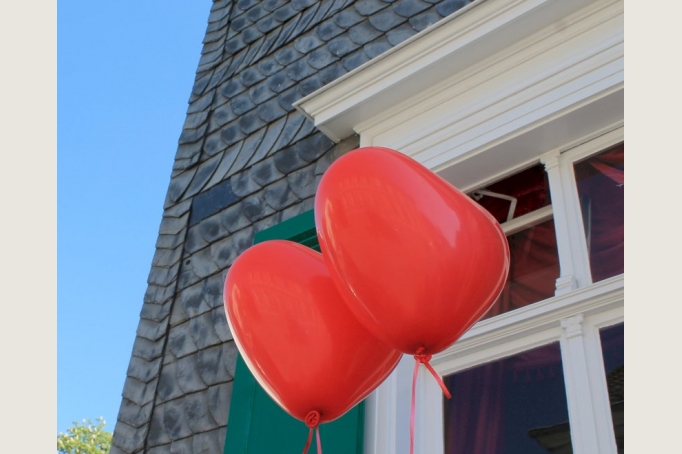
(312, 420)
(307, 443)
(422, 359)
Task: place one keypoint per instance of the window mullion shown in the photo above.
(571, 276)
(586, 389)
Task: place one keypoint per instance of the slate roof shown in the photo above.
(246, 160)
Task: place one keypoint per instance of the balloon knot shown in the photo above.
(312, 419)
(421, 357)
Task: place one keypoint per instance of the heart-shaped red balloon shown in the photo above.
(417, 260)
(296, 334)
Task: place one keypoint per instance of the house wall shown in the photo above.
(246, 160)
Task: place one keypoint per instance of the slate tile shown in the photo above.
(202, 175)
(363, 33)
(142, 369)
(331, 73)
(220, 325)
(214, 36)
(267, 24)
(210, 364)
(133, 414)
(155, 312)
(233, 219)
(307, 128)
(217, 396)
(151, 330)
(309, 85)
(400, 34)
(201, 329)
(302, 182)
(220, 117)
(260, 93)
(230, 353)
(181, 165)
(218, 13)
(182, 446)
(217, 24)
(272, 133)
(251, 35)
(305, 21)
(347, 18)
(256, 13)
(248, 150)
(128, 438)
(287, 99)
(235, 64)
(139, 392)
(286, 31)
(187, 373)
(180, 342)
(287, 55)
(186, 278)
(202, 266)
(242, 183)
(321, 57)
(231, 88)
(210, 57)
(188, 150)
(160, 276)
(194, 241)
(201, 103)
(193, 121)
(377, 47)
(146, 349)
(297, 209)
(328, 30)
(288, 160)
(271, 5)
(242, 104)
(212, 290)
(157, 433)
(299, 70)
(285, 12)
(302, 4)
(157, 449)
(322, 12)
(311, 148)
(255, 208)
(234, 45)
(409, 8)
(250, 123)
(212, 46)
(178, 314)
(198, 417)
(192, 135)
(211, 230)
(245, 5)
(280, 82)
(250, 77)
(369, 7)
(231, 133)
(342, 45)
(270, 111)
(191, 298)
(423, 20)
(229, 156)
(279, 195)
(386, 20)
(174, 423)
(269, 66)
(450, 6)
(265, 172)
(354, 60)
(293, 125)
(226, 251)
(200, 84)
(304, 44)
(156, 294)
(208, 442)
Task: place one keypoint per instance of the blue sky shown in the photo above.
(124, 75)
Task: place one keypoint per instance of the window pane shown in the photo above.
(613, 348)
(534, 265)
(515, 405)
(600, 181)
(533, 269)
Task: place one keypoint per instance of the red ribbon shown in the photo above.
(421, 358)
(312, 420)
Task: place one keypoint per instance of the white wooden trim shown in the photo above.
(527, 220)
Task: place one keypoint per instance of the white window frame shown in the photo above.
(496, 87)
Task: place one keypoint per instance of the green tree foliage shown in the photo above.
(85, 438)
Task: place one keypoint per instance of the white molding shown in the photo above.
(527, 220)
(475, 32)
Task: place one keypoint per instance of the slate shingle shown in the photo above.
(299, 70)
(267, 24)
(250, 122)
(285, 12)
(450, 6)
(400, 34)
(342, 45)
(328, 30)
(363, 33)
(331, 73)
(234, 45)
(266, 172)
(306, 43)
(352, 61)
(423, 20)
(269, 66)
(377, 47)
(369, 7)
(321, 57)
(386, 20)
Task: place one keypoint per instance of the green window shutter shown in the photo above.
(256, 424)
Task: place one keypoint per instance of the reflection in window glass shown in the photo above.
(515, 405)
(534, 265)
(601, 180)
(613, 349)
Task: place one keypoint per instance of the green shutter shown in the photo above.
(256, 424)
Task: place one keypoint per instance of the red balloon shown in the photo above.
(296, 334)
(417, 261)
